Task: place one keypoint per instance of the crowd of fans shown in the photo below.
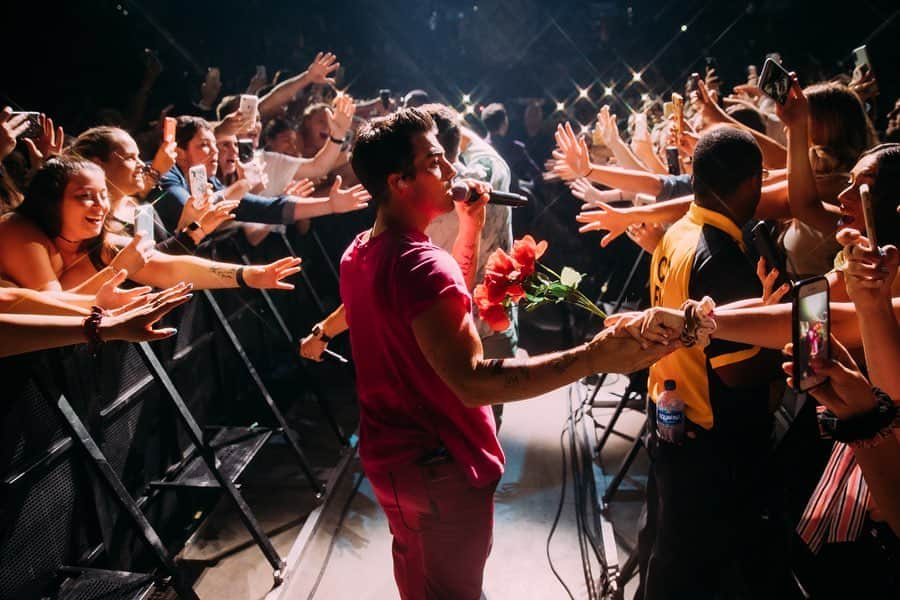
(737, 509)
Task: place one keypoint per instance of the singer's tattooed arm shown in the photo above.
(447, 337)
(465, 251)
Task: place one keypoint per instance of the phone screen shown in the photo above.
(672, 163)
(774, 81)
(143, 221)
(812, 322)
(245, 150)
(198, 185)
(861, 58)
(35, 128)
(169, 129)
(248, 106)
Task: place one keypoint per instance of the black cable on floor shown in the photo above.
(559, 507)
(337, 528)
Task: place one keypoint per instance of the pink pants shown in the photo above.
(442, 530)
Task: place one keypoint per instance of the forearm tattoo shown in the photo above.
(227, 273)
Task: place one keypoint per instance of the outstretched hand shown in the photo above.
(347, 200)
(11, 127)
(606, 218)
(269, 277)
(110, 296)
(341, 116)
(136, 323)
(571, 154)
(321, 67)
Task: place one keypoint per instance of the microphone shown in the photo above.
(463, 193)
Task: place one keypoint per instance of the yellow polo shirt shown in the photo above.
(702, 254)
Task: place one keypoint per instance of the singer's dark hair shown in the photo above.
(447, 122)
(384, 147)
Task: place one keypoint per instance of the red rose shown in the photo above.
(502, 277)
(526, 252)
(495, 316)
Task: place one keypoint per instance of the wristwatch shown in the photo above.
(319, 332)
(860, 427)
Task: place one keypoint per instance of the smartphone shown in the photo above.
(248, 107)
(35, 128)
(865, 199)
(812, 326)
(169, 124)
(143, 221)
(861, 59)
(678, 111)
(198, 185)
(775, 81)
(672, 163)
(245, 150)
(767, 248)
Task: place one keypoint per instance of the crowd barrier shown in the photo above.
(106, 458)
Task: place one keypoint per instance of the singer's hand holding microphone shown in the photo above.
(470, 197)
(464, 190)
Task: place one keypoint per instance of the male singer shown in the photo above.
(427, 440)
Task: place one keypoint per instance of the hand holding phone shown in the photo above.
(169, 125)
(768, 249)
(865, 200)
(143, 221)
(199, 186)
(775, 81)
(678, 111)
(249, 107)
(811, 318)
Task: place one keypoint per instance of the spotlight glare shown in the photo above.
(582, 93)
(560, 106)
(645, 97)
(684, 28)
(609, 91)
(636, 76)
(467, 98)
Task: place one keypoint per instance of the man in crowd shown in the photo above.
(196, 145)
(704, 494)
(427, 439)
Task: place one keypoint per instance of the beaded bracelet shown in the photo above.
(91, 326)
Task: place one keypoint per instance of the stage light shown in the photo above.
(560, 106)
(467, 98)
(636, 76)
(645, 97)
(583, 93)
(609, 91)
(470, 110)
(684, 28)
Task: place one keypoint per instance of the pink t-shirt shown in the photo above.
(405, 407)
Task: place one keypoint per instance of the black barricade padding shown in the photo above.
(53, 511)
(46, 497)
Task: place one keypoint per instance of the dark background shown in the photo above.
(71, 59)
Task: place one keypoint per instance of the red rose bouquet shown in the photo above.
(509, 278)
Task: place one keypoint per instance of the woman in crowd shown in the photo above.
(127, 179)
(56, 239)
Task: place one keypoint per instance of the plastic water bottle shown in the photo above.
(670, 414)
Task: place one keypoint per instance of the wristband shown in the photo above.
(91, 326)
(239, 277)
(319, 332)
(863, 427)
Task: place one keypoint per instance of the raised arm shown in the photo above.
(805, 202)
(774, 154)
(323, 65)
(339, 120)
(609, 131)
